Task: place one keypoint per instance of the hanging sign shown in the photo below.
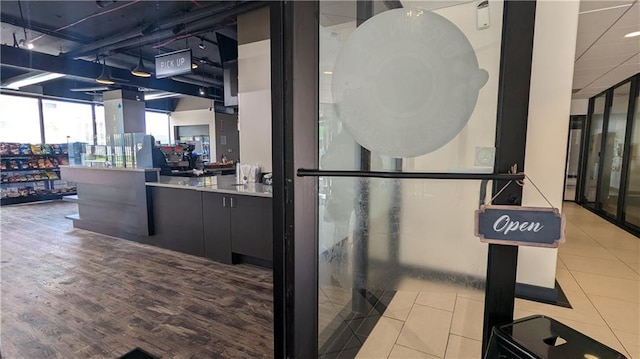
(173, 63)
(520, 226)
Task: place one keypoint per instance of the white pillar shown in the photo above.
(547, 131)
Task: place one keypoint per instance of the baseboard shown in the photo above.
(553, 296)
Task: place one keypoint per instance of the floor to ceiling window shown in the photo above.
(19, 119)
(67, 122)
(613, 150)
(632, 200)
(612, 165)
(593, 152)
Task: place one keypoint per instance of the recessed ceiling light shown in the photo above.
(633, 34)
(328, 72)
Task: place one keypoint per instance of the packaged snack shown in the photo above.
(28, 177)
(25, 149)
(48, 163)
(13, 165)
(52, 175)
(63, 161)
(64, 149)
(32, 164)
(3, 165)
(14, 149)
(46, 149)
(4, 149)
(37, 149)
(3, 178)
(37, 176)
(41, 163)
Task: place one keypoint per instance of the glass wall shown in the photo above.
(613, 150)
(67, 122)
(593, 151)
(412, 90)
(632, 200)
(19, 119)
(612, 166)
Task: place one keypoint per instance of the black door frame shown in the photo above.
(294, 61)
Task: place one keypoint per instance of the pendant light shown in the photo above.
(140, 70)
(105, 76)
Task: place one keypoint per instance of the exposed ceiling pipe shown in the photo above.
(198, 80)
(165, 29)
(194, 27)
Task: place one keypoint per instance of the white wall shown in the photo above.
(579, 106)
(254, 103)
(548, 126)
(195, 117)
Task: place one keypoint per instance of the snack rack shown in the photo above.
(30, 172)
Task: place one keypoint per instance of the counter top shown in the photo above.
(221, 184)
(100, 168)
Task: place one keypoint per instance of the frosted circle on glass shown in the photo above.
(406, 82)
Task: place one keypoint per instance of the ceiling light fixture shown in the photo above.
(105, 76)
(140, 70)
(194, 65)
(633, 34)
(35, 79)
(202, 46)
(201, 91)
(328, 72)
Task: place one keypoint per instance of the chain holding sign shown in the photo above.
(520, 226)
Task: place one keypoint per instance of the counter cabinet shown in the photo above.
(222, 227)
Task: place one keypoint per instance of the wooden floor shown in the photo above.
(69, 293)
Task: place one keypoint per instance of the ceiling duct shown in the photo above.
(196, 21)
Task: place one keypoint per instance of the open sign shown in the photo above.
(520, 226)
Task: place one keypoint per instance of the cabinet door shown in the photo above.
(248, 235)
(177, 217)
(217, 231)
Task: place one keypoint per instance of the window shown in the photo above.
(19, 119)
(67, 122)
(101, 129)
(157, 124)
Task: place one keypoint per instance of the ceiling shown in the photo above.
(75, 37)
(74, 34)
(604, 57)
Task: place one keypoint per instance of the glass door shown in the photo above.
(573, 157)
(593, 151)
(408, 89)
(632, 198)
(613, 151)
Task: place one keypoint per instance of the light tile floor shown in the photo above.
(598, 269)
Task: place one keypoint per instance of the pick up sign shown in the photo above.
(520, 226)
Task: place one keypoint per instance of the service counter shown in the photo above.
(112, 201)
(213, 217)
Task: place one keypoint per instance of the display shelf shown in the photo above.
(31, 181)
(34, 176)
(32, 169)
(34, 198)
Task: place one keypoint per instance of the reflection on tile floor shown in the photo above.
(597, 269)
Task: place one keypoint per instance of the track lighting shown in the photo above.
(201, 91)
(105, 76)
(202, 46)
(140, 70)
